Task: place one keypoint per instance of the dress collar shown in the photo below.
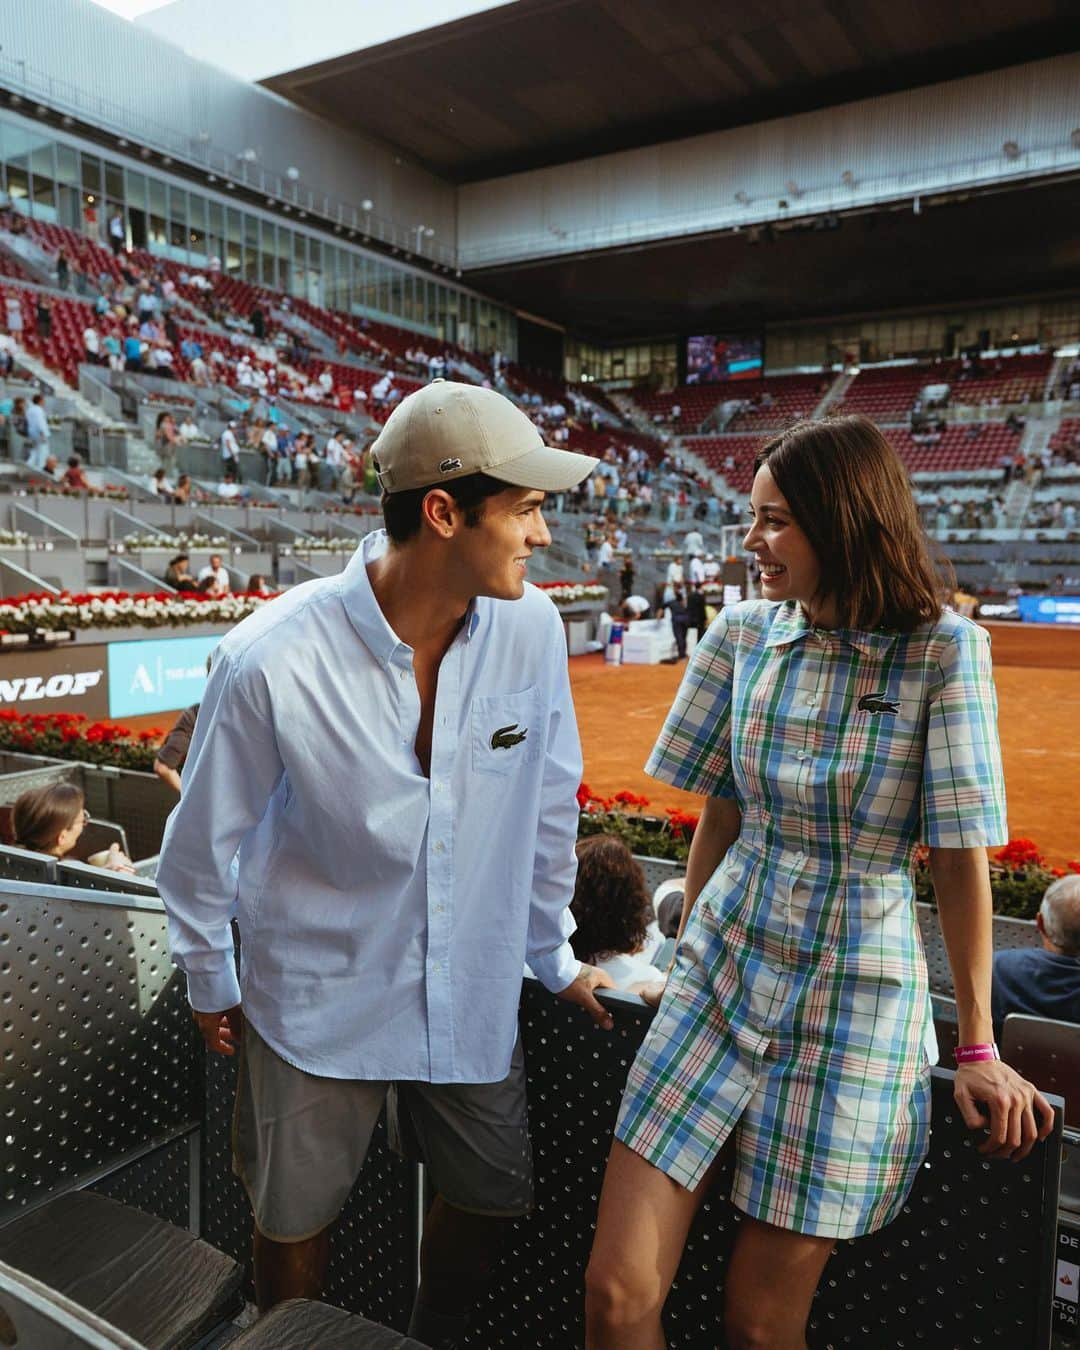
(790, 624)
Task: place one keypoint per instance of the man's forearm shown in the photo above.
(168, 775)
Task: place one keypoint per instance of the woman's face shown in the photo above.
(786, 559)
(68, 838)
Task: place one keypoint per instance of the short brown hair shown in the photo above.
(611, 904)
(401, 510)
(40, 814)
(849, 492)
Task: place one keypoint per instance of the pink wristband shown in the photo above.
(976, 1054)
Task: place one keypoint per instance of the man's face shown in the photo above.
(491, 557)
(215, 561)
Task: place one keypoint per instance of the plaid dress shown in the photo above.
(797, 1013)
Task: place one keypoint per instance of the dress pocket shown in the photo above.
(508, 730)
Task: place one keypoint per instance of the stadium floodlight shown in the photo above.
(250, 155)
(122, 142)
(144, 151)
(16, 99)
(68, 121)
(367, 204)
(166, 159)
(292, 173)
(1010, 150)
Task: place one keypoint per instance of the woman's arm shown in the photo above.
(962, 887)
(717, 830)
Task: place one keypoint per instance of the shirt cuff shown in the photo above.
(214, 992)
(555, 970)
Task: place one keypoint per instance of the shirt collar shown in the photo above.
(363, 609)
(790, 623)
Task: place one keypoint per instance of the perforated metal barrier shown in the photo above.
(103, 1083)
(968, 1262)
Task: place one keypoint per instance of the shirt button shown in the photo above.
(439, 909)
(436, 965)
(440, 847)
(405, 674)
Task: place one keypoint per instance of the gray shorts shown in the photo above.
(299, 1140)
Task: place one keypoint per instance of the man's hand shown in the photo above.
(580, 990)
(221, 1030)
(992, 1096)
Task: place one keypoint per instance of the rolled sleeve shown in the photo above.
(549, 953)
(232, 769)
(694, 748)
(963, 785)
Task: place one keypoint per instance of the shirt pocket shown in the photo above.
(508, 730)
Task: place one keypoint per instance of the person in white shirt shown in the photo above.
(268, 448)
(37, 433)
(673, 579)
(189, 429)
(215, 577)
(695, 572)
(92, 344)
(616, 929)
(430, 836)
(230, 452)
(326, 382)
(333, 461)
(382, 390)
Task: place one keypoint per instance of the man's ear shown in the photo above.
(439, 512)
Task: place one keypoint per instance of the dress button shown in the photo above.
(800, 754)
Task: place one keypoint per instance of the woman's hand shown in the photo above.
(992, 1096)
(652, 993)
(118, 861)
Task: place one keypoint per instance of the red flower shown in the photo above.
(584, 796)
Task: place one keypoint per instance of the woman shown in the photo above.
(178, 574)
(616, 930)
(166, 441)
(74, 476)
(51, 819)
(831, 726)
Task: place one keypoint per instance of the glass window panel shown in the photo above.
(136, 190)
(18, 186)
(91, 173)
(67, 165)
(114, 180)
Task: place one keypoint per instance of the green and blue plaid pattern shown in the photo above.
(797, 1011)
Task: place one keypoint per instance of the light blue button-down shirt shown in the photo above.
(384, 916)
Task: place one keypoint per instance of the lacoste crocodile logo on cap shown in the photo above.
(879, 703)
(506, 737)
(449, 465)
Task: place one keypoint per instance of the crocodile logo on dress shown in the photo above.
(878, 703)
(506, 737)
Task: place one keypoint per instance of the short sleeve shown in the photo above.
(963, 786)
(174, 749)
(694, 748)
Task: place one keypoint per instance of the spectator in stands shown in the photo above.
(178, 574)
(257, 585)
(326, 831)
(132, 351)
(117, 232)
(173, 751)
(1044, 981)
(229, 488)
(616, 930)
(43, 314)
(51, 820)
(160, 485)
(74, 477)
(13, 315)
(63, 271)
(113, 352)
(213, 578)
(270, 451)
(160, 361)
(182, 491)
(92, 345)
(189, 429)
(230, 453)
(166, 441)
(37, 432)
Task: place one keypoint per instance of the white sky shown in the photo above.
(255, 39)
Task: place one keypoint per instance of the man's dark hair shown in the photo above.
(401, 510)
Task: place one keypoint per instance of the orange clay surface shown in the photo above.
(1037, 670)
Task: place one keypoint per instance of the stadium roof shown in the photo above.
(543, 82)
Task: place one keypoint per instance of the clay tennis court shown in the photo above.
(1037, 671)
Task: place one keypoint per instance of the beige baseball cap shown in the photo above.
(447, 430)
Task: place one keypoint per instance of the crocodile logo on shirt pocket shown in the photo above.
(504, 731)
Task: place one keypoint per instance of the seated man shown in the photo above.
(1044, 982)
(214, 579)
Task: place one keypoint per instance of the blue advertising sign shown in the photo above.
(158, 675)
(1049, 608)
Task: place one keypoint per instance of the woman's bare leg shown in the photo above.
(765, 1261)
(640, 1234)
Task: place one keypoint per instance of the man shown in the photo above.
(391, 757)
(215, 576)
(37, 431)
(1044, 982)
(230, 453)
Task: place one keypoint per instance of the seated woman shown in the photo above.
(616, 931)
(51, 819)
(74, 477)
(178, 574)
